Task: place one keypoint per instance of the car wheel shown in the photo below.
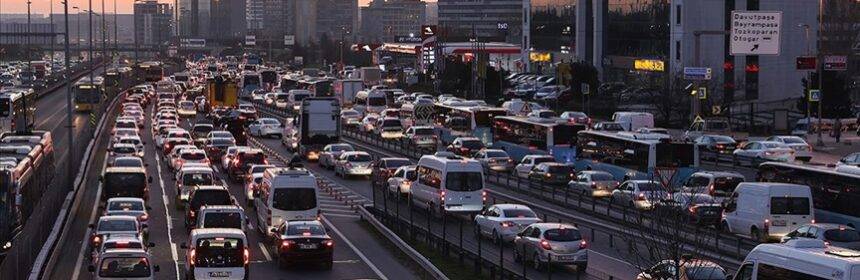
(756, 234)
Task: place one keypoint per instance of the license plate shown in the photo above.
(468, 197)
(564, 258)
(307, 246)
(779, 223)
(219, 274)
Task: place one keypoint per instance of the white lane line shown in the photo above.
(338, 211)
(86, 240)
(265, 252)
(325, 213)
(173, 252)
(354, 249)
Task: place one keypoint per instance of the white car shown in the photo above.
(186, 109)
(230, 154)
(332, 152)
(353, 164)
(802, 150)
(528, 163)
(265, 127)
(124, 132)
(172, 133)
(502, 222)
(134, 140)
(766, 150)
(128, 206)
(639, 194)
(401, 181)
(495, 159)
(124, 150)
(190, 156)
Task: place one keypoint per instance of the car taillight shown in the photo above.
(506, 224)
(191, 213)
(766, 224)
(236, 162)
(247, 255)
(193, 257)
(548, 175)
(484, 195)
(144, 217)
(286, 244)
(693, 209)
(593, 185)
(641, 196)
(583, 244)
(329, 243)
(545, 245)
(711, 190)
(442, 195)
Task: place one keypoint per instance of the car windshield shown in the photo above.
(221, 134)
(601, 177)
(842, 235)
(300, 96)
(124, 267)
(117, 225)
(210, 197)
(395, 163)
(722, 139)
(305, 229)
(771, 145)
(252, 158)
(127, 162)
(562, 234)
(294, 199)
(705, 273)
(576, 115)
(391, 123)
(125, 206)
(543, 159)
(222, 141)
(201, 130)
(726, 185)
(223, 220)
(472, 144)
(612, 126)
(219, 252)
(424, 131)
(519, 213)
(126, 125)
(124, 184)
(350, 113)
(789, 205)
(193, 156)
(341, 148)
(197, 179)
(464, 181)
(124, 149)
(793, 140)
(497, 154)
(359, 158)
(648, 187)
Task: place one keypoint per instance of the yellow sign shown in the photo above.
(540, 57)
(649, 65)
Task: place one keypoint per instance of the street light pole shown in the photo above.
(77, 25)
(115, 29)
(808, 75)
(69, 114)
(26, 124)
(104, 31)
(819, 64)
(53, 36)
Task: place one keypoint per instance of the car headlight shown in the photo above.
(7, 245)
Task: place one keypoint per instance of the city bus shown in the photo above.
(627, 158)
(153, 71)
(12, 107)
(521, 136)
(88, 93)
(454, 121)
(834, 193)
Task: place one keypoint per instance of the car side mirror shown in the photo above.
(151, 244)
(91, 268)
(156, 268)
(149, 179)
(183, 245)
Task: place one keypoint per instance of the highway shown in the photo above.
(358, 254)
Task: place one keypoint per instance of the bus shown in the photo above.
(153, 71)
(521, 136)
(88, 93)
(249, 81)
(834, 193)
(12, 107)
(455, 121)
(626, 158)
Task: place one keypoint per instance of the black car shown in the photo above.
(303, 241)
(384, 167)
(205, 196)
(552, 173)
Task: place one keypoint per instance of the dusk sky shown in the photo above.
(43, 6)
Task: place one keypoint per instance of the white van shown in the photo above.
(217, 253)
(285, 194)
(633, 120)
(767, 211)
(801, 258)
(294, 100)
(449, 183)
(370, 101)
(124, 264)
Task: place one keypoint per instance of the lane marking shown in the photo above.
(86, 240)
(264, 251)
(340, 215)
(354, 249)
(173, 252)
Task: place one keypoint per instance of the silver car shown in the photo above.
(837, 235)
(353, 164)
(265, 127)
(551, 243)
(332, 152)
(495, 159)
(502, 222)
(594, 183)
(639, 194)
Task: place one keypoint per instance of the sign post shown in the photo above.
(702, 93)
(697, 73)
(814, 95)
(755, 32)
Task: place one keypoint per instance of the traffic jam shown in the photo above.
(237, 146)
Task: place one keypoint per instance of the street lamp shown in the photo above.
(69, 112)
(77, 24)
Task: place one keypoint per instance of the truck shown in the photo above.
(318, 125)
(345, 90)
(222, 92)
(371, 75)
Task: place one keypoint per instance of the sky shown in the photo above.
(43, 6)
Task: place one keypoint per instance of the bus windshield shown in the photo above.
(464, 181)
(219, 252)
(125, 267)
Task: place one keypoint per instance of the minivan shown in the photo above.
(125, 263)
(449, 183)
(217, 253)
(285, 194)
(767, 211)
(801, 258)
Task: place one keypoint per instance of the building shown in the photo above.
(467, 19)
(383, 21)
(296, 18)
(214, 20)
(552, 27)
(41, 34)
(254, 15)
(189, 19)
(152, 23)
(337, 18)
(432, 14)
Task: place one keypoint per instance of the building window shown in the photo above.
(678, 50)
(678, 15)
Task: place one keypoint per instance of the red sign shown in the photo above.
(806, 63)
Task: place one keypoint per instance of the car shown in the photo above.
(110, 225)
(221, 216)
(594, 183)
(350, 117)
(247, 108)
(221, 134)
(171, 143)
(836, 235)
(765, 150)
(205, 196)
(802, 150)
(701, 209)
(389, 128)
(553, 173)
(548, 92)
(239, 165)
(302, 241)
(687, 269)
(719, 144)
(124, 150)
(124, 122)
(539, 242)
(199, 132)
(186, 109)
(332, 152)
(717, 184)
(495, 159)
(294, 186)
(190, 176)
(124, 132)
(399, 183)
(129, 206)
(124, 263)
(189, 155)
(384, 168)
(767, 211)
(528, 163)
(576, 117)
(215, 147)
(465, 146)
(369, 122)
(230, 154)
(119, 241)
(355, 163)
(134, 140)
(217, 253)
(850, 160)
(172, 133)
(502, 222)
(608, 126)
(252, 189)
(421, 136)
(542, 114)
(266, 127)
(132, 161)
(639, 194)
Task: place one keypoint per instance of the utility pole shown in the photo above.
(90, 35)
(808, 76)
(53, 35)
(115, 30)
(104, 31)
(26, 125)
(69, 113)
(819, 64)
(77, 25)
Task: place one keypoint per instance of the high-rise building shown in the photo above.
(152, 22)
(337, 18)
(296, 18)
(466, 19)
(216, 20)
(189, 18)
(254, 15)
(385, 20)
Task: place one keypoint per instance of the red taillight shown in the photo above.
(192, 257)
(286, 244)
(593, 185)
(442, 195)
(247, 255)
(506, 224)
(692, 209)
(583, 244)
(144, 217)
(545, 245)
(484, 195)
(191, 213)
(329, 243)
(641, 196)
